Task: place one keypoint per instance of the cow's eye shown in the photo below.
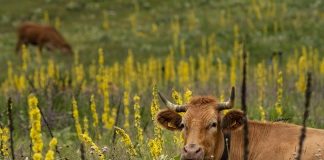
(181, 125)
(213, 125)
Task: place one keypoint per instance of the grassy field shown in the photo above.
(123, 49)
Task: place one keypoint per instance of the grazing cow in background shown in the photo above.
(209, 135)
(41, 36)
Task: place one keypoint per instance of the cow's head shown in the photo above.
(202, 124)
(66, 49)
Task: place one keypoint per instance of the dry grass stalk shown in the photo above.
(308, 94)
(49, 129)
(117, 119)
(11, 128)
(244, 108)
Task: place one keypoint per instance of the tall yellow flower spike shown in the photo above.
(87, 140)
(50, 155)
(75, 114)
(94, 111)
(35, 131)
(137, 116)
(4, 137)
(126, 141)
(278, 105)
(261, 82)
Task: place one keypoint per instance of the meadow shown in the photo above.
(101, 102)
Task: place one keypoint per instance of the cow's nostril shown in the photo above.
(198, 150)
(184, 149)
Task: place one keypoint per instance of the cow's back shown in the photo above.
(314, 144)
(280, 141)
(30, 32)
(283, 142)
(40, 34)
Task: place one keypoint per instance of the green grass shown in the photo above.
(81, 24)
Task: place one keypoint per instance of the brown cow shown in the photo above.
(205, 130)
(41, 36)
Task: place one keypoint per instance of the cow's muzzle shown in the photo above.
(192, 152)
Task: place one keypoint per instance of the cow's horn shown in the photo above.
(177, 108)
(228, 104)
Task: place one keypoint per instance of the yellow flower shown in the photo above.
(87, 140)
(52, 147)
(257, 10)
(37, 156)
(4, 137)
(301, 82)
(101, 59)
(32, 101)
(51, 69)
(261, 82)
(322, 67)
(233, 70)
(154, 28)
(126, 109)
(155, 146)
(137, 116)
(35, 131)
(49, 155)
(75, 114)
(94, 111)
(156, 143)
(221, 70)
(111, 119)
(177, 97)
(20, 82)
(42, 77)
(291, 65)
(203, 71)
(126, 141)
(92, 70)
(183, 73)
(79, 75)
(278, 105)
(85, 126)
(129, 68)
(154, 105)
(105, 115)
(25, 58)
(53, 143)
(187, 96)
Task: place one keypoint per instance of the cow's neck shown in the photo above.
(219, 147)
(257, 135)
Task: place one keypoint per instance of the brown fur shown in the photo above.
(268, 140)
(202, 100)
(232, 120)
(169, 119)
(41, 36)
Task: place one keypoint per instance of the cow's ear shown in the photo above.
(169, 119)
(232, 120)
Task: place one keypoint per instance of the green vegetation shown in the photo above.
(176, 45)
